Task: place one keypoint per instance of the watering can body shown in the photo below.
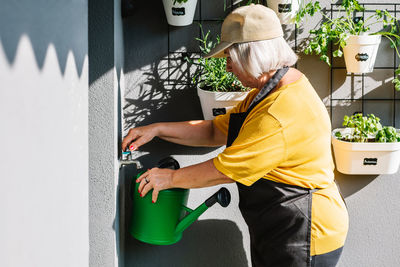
(155, 223)
(163, 222)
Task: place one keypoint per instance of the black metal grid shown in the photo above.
(178, 57)
(394, 67)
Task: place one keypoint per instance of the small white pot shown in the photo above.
(360, 53)
(285, 9)
(365, 158)
(180, 14)
(217, 103)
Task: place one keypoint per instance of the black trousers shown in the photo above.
(329, 259)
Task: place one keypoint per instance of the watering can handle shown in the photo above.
(222, 196)
(168, 163)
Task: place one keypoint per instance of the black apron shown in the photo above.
(278, 215)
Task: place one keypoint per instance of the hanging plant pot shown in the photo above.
(365, 158)
(218, 103)
(179, 13)
(285, 9)
(360, 53)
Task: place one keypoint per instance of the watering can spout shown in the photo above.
(222, 196)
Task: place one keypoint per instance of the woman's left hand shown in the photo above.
(156, 179)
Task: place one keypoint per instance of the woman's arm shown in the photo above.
(190, 133)
(199, 175)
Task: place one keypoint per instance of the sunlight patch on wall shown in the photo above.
(44, 113)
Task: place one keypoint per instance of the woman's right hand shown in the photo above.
(139, 136)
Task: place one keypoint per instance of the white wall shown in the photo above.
(44, 134)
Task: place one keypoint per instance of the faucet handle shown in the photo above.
(126, 155)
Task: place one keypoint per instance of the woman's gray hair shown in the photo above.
(256, 58)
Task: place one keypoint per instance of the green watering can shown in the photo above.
(163, 222)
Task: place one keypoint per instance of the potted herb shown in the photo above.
(180, 12)
(352, 37)
(365, 146)
(286, 10)
(217, 89)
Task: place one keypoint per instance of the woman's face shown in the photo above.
(243, 77)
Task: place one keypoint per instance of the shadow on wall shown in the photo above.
(159, 97)
(219, 242)
(351, 184)
(158, 86)
(205, 243)
(18, 18)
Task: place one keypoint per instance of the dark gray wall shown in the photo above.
(154, 91)
(219, 237)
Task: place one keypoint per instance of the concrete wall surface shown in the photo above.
(62, 199)
(44, 133)
(155, 90)
(105, 61)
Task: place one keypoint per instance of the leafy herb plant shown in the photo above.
(212, 74)
(309, 9)
(180, 1)
(367, 129)
(337, 30)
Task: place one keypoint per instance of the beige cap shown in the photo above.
(247, 24)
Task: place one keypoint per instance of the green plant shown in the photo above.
(309, 9)
(367, 129)
(179, 1)
(212, 74)
(337, 30)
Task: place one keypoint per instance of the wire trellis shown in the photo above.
(392, 7)
(176, 60)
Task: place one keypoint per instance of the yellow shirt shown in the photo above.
(287, 138)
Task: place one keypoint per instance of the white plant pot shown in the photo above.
(179, 14)
(365, 158)
(216, 103)
(360, 52)
(285, 9)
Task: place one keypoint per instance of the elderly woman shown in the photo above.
(278, 149)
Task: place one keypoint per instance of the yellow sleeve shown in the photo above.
(222, 121)
(259, 148)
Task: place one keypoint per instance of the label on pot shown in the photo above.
(178, 11)
(284, 8)
(362, 57)
(218, 111)
(370, 161)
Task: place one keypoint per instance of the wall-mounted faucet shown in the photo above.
(126, 159)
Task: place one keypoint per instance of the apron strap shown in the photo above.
(236, 120)
(268, 87)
